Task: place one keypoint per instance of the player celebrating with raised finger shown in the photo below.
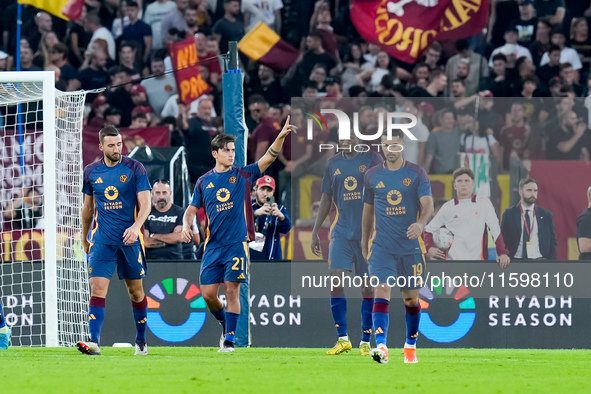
(117, 194)
(398, 196)
(224, 193)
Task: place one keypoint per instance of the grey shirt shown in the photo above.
(445, 148)
(159, 91)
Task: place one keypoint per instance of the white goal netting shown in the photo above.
(43, 273)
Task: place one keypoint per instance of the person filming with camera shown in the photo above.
(270, 221)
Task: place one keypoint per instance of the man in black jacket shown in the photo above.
(528, 229)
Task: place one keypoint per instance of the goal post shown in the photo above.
(41, 153)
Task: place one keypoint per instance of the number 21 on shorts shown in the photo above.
(239, 264)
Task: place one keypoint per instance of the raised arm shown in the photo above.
(275, 148)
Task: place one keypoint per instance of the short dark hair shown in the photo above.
(459, 81)
(61, 48)
(221, 140)
(565, 65)
(257, 99)
(139, 115)
(446, 111)
(526, 181)
(436, 74)
(554, 48)
(461, 171)
(531, 78)
(108, 131)
(499, 56)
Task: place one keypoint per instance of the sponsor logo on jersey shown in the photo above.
(337, 172)
(394, 201)
(350, 183)
(380, 185)
(99, 180)
(111, 193)
(223, 195)
(210, 186)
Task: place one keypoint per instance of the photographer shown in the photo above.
(270, 221)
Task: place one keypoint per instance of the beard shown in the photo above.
(530, 200)
(114, 156)
(161, 203)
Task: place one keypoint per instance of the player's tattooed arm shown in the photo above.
(323, 211)
(275, 148)
(87, 213)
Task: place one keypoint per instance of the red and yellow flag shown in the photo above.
(263, 45)
(406, 28)
(189, 82)
(65, 9)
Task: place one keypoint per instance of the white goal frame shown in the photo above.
(47, 79)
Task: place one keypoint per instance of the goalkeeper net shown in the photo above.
(43, 273)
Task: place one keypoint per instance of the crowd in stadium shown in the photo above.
(536, 52)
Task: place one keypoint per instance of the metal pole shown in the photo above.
(233, 52)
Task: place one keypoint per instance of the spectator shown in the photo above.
(43, 24)
(128, 59)
(27, 60)
(384, 65)
(435, 88)
(526, 23)
(160, 87)
(553, 9)
(584, 230)
(264, 134)
(474, 138)
(568, 76)
(468, 217)
(511, 36)
(499, 83)
(58, 55)
(433, 56)
(210, 59)
(579, 39)
(320, 22)
(94, 76)
(77, 39)
(414, 151)
(268, 12)
(191, 18)
(542, 42)
(478, 67)
(570, 141)
(528, 229)
(420, 74)
(567, 55)
(112, 117)
(230, 27)
(162, 229)
(3, 61)
(154, 15)
(443, 146)
(198, 132)
(121, 21)
(138, 31)
(514, 137)
(120, 97)
(318, 76)
(552, 68)
(530, 85)
(354, 64)
(174, 19)
(139, 96)
(92, 24)
(139, 120)
(462, 74)
(268, 85)
(42, 57)
(26, 211)
(99, 108)
(315, 55)
(270, 221)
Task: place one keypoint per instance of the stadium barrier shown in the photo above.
(284, 314)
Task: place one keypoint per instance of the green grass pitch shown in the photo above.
(266, 370)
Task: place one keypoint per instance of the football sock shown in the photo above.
(413, 318)
(366, 319)
(140, 316)
(231, 323)
(220, 315)
(338, 306)
(96, 316)
(2, 320)
(381, 320)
